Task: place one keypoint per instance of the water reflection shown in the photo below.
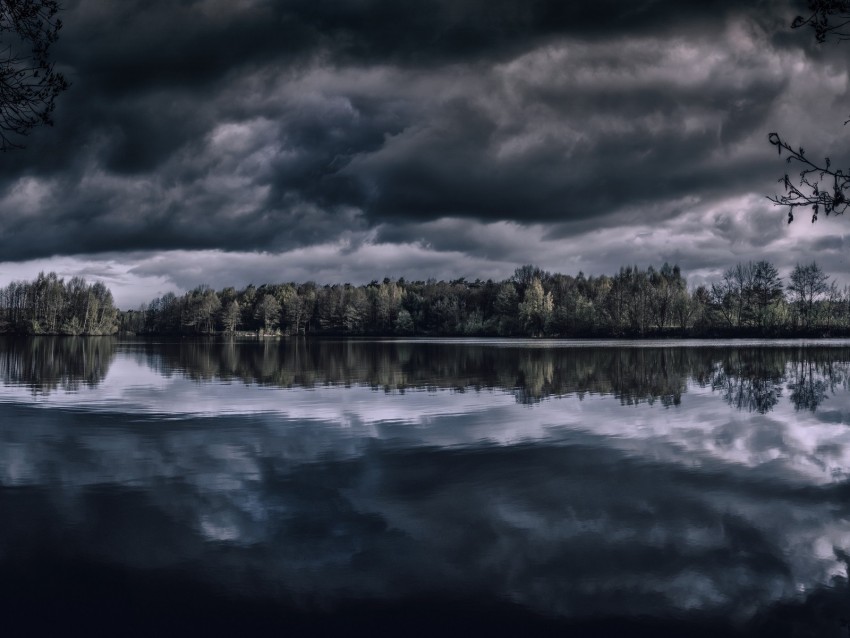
(634, 375)
(752, 379)
(46, 363)
(574, 529)
(687, 491)
(811, 379)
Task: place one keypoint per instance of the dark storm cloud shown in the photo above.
(197, 41)
(262, 125)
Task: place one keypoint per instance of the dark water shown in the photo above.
(421, 488)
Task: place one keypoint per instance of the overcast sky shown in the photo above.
(236, 141)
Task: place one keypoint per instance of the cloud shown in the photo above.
(282, 128)
(719, 235)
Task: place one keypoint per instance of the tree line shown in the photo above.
(50, 305)
(750, 299)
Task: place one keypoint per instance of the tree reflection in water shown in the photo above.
(689, 516)
(813, 376)
(45, 364)
(751, 378)
(634, 375)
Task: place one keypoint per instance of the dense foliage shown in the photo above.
(50, 305)
(750, 299)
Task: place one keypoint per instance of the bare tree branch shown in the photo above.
(828, 18)
(821, 188)
(29, 84)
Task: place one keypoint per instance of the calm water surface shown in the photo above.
(421, 487)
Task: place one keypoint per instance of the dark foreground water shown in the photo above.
(424, 488)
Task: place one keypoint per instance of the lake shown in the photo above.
(424, 486)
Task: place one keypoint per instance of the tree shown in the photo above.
(536, 309)
(821, 187)
(231, 317)
(664, 286)
(29, 85)
(729, 296)
(293, 309)
(506, 308)
(765, 292)
(202, 307)
(833, 305)
(628, 299)
(403, 323)
(807, 285)
(387, 301)
(268, 311)
(525, 275)
(685, 309)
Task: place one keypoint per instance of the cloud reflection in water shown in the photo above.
(582, 502)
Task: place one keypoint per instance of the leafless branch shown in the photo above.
(820, 187)
(29, 84)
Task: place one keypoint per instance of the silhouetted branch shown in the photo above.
(811, 192)
(821, 187)
(828, 18)
(29, 83)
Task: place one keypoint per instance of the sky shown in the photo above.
(228, 142)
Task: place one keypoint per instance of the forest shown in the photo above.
(50, 305)
(750, 299)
